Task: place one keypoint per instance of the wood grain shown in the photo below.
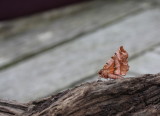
(137, 96)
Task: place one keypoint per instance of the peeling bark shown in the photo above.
(136, 96)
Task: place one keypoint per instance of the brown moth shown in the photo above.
(117, 66)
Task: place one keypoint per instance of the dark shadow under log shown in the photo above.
(136, 96)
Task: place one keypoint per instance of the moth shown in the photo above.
(117, 66)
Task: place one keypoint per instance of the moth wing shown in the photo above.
(110, 66)
(121, 62)
(107, 69)
(117, 67)
(124, 68)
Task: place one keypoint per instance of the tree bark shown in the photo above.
(136, 96)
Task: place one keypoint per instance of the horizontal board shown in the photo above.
(21, 25)
(65, 65)
(61, 30)
(146, 64)
(157, 50)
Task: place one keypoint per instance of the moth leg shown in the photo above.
(113, 76)
(99, 78)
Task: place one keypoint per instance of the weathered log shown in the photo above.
(11, 108)
(136, 96)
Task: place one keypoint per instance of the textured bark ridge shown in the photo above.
(136, 96)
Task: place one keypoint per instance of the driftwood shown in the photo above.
(137, 96)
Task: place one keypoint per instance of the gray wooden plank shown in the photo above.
(59, 68)
(20, 25)
(157, 50)
(15, 49)
(147, 63)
